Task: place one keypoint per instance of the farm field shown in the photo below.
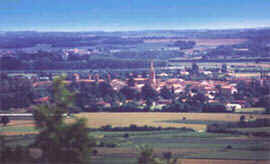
(196, 121)
(185, 146)
(189, 147)
(96, 120)
(244, 75)
(250, 110)
(260, 129)
(200, 41)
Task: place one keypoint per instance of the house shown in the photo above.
(41, 99)
(233, 107)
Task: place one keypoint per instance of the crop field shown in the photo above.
(200, 42)
(263, 65)
(243, 75)
(196, 121)
(258, 129)
(188, 147)
(96, 120)
(213, 161)
(250, 110)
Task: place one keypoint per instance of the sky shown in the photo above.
(129, 15)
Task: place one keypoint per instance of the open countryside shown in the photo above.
(135, 82)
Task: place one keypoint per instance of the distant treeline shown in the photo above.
(25, 39)
(47, 64)
(63, 41)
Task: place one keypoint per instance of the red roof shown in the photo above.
(42, 99)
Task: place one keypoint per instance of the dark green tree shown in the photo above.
(195, 68)
(61, 142)
(149, 92)
(224, 68)
(166, 93)
(131, 82)
(129, 93)
(5, 120)
(146, 155)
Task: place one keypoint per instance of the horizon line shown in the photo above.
(143, 30)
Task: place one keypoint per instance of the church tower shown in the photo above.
(152, 76)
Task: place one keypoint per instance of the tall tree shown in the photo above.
(149, 94)
(129, 93)
(195, 68)
(59, 141)
(224, 68)
(166, 93)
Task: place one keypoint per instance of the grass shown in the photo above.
(250, 110)
(181, 144)
(11, 130)
(234, 154)
(113, 160)
(96, 120)
(185, 145)
(203, 122)
(18, 129)
(259, 129)
(196, 121)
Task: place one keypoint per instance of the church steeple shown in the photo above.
(152, 77)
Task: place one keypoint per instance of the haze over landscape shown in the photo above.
(117, 15)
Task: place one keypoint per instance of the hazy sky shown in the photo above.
(115, 15)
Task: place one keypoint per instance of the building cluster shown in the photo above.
(207, 87)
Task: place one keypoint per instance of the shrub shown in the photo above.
(5, 120)
(167, 155)
(228, 147)
(107, 127)
(133, 127)
(111, 145)
(215, 108)
(95, 152)
(242, 118)
(126, 135)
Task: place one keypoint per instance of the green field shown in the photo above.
(250, 110)
(116, 147)
(182, 144)
(260, 129)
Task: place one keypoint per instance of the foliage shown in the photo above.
(224, 68)
(149, 94)
(134, 127)
(166, 93)
(146, 156)
(129, 93)
(265, 102)
(5, 120)
(16, 92)
(59, 141)
(214, 107)
(231, 127)
(242, 118)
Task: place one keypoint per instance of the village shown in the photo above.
(165, 87)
